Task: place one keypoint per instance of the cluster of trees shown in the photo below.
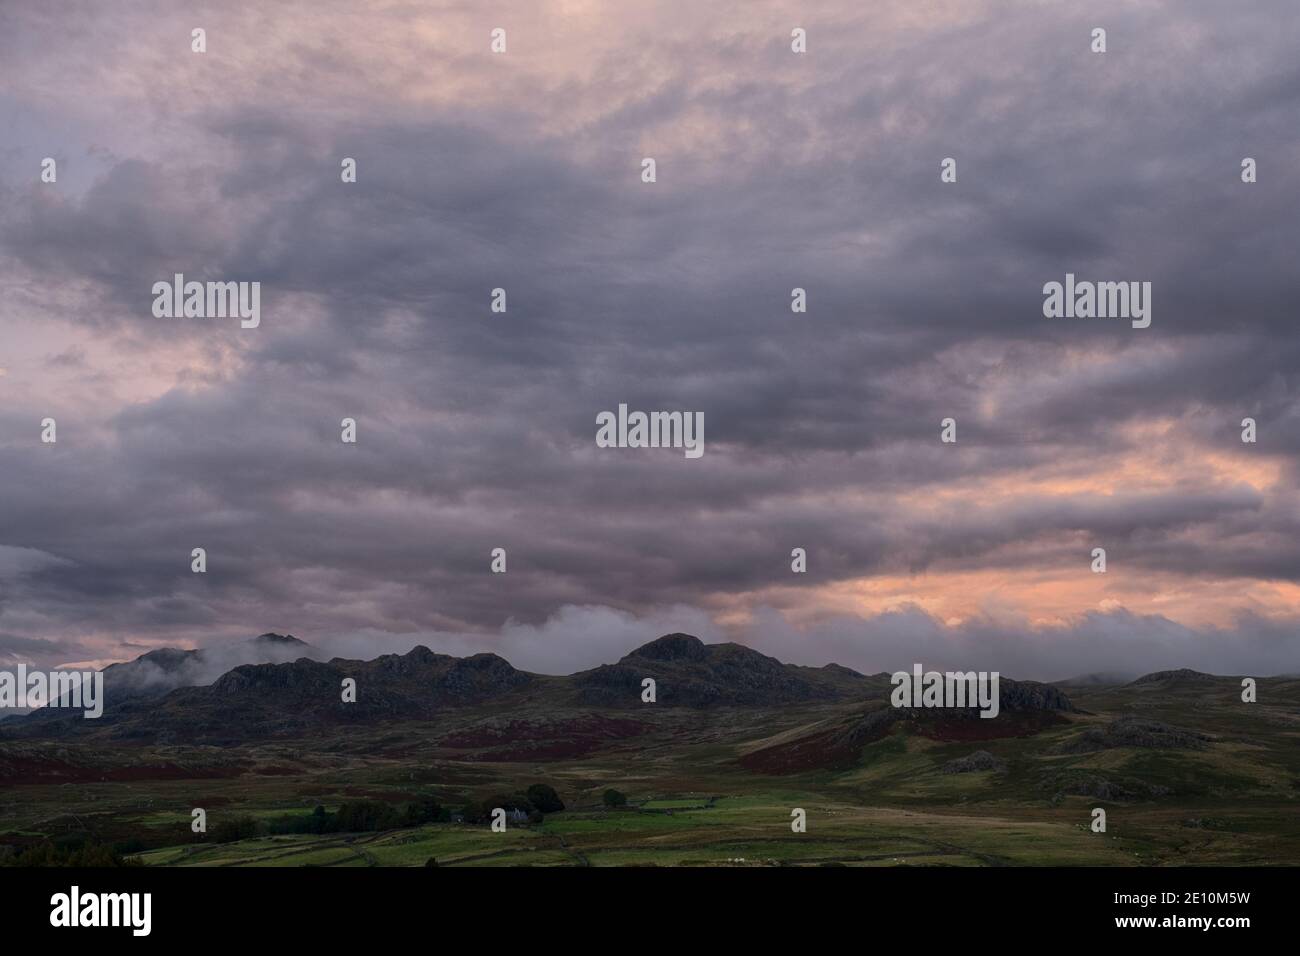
(366, 816)
(50, 854)
(234, 828)
(354, 816)
(537, 800)
(544, 798)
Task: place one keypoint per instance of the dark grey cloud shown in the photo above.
(476, 430)
(14, 649)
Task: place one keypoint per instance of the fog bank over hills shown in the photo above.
(166, 668)
(1116, 643)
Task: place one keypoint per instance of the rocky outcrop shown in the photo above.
(1131, 731)
(979, 760)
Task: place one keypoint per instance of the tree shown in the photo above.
(49, 854)
(613, 798)
(364, 816)
(514, 802)
(235, 829)
(544, 798)
(427, 810)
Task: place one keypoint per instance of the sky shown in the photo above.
(775, 170)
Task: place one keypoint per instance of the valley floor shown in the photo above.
(754, 831)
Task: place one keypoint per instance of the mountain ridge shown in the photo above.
(280, 698)
(291, 691)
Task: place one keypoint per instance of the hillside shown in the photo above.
(1187, 772)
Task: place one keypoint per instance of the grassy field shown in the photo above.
(755, 830)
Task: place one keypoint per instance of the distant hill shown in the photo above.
(1095, 679)
(170, 695)
(691, 673)
(284, 699)
(159, 671)
(1182, 674)
(275, 687)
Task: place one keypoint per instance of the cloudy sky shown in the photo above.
(775, 170)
